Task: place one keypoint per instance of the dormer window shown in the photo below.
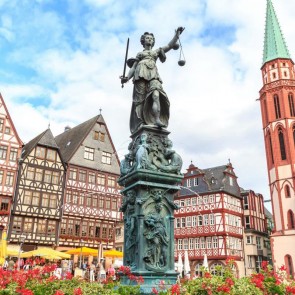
(196, 181)
(231, 181)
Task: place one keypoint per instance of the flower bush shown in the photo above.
(41, 281)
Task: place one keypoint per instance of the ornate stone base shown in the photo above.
(152, 280)
(150, 175)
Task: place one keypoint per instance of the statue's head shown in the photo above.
(143, 37)
(131, 196)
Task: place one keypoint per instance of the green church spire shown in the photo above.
(274, 42)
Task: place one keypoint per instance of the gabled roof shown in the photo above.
(70, 140)
(274, 42)
(45, 139)
(11, 122)
(212, 180)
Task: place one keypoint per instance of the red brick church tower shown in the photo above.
(278, 118)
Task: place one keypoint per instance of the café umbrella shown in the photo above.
(84, 251)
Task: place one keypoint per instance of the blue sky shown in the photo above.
(60, 62)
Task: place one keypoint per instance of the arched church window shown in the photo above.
(291, 223)
(289, 265)
(282, 144)
(277, 106)
(287, 191)
(270, 146)
(291, 104)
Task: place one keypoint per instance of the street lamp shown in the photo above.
(21, 240)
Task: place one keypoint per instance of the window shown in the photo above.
(215, 242)
(291, 105)
(82, 175)
(203, 243)
(100, 179)
(206, 219)
(70, 227)
(277, 106)
(104, 232)
(106, 158)
(53, 201)
(91, 177)
(209, 242)
(1, 176)
(17, 225)
(84, 228)
(191, 243)
(197, 243)
(194, 201)
(28, 225)
(97, 231)
(55, 177)
(101, 136)
(40, 152)
(51, 228)
(188, 202)
(31, 173)
(250, 264)
(188, 221)
(47, 176)
(189, 182)
(95, 135)
(258, 243)
(51, 155)
(282, 144)
(291, 223)
(108, 203)
(111, 181)
(89, 153)
(179, 242)
(211, 199)
(9, 178)
(247, 222)
(4, 205)
(45, 200)
(196, 181)
(287, 191)
(13, 154)
(194, 222)
(38, 174)
(7, 130)
(185, 244)
(200, 220)
(3, 152)
(73, 174)
(212, 219)
(182, 221)
(1, 125)
(270, 145)
(177, 220)
(35, 198)
(41, 227)
(182, 203)
(246, 205)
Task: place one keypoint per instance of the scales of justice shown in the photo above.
(151, 171)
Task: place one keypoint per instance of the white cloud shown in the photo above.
(74, 58)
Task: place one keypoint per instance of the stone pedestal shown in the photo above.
(150, 175)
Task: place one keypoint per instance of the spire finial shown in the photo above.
(100, 111)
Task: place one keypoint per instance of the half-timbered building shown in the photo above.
(92, 195)
(38, 202)
(209, 221)
(10, 150)
(256, 236)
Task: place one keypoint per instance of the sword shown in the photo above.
(124, 70)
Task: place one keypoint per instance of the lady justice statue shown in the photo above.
(150, 105)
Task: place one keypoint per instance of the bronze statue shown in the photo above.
(150, 104)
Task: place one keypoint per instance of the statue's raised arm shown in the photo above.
(150, 104)
(172, 43)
